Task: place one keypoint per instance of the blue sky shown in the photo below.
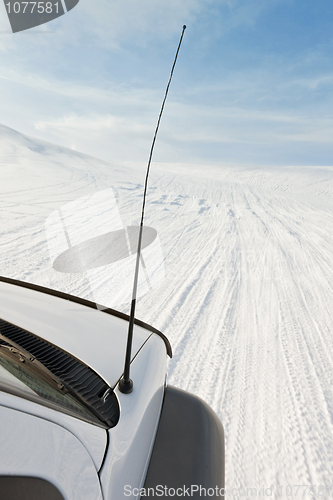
(253, 83)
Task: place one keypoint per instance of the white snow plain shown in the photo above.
(247, 299)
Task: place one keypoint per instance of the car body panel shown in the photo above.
(85, 461)
(96, 338)
(92, 437)
(33, 447)
(131, 440)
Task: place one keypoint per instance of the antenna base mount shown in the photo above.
(125, 386)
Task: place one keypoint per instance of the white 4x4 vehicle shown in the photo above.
(67, 432)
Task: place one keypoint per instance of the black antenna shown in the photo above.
(126, 384)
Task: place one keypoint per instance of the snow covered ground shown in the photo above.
(247, 301)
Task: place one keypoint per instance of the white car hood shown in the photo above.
(94, 337)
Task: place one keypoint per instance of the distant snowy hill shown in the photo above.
(247, 299)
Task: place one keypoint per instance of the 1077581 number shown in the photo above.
(42, 7)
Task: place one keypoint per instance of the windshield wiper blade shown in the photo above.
(25, 357)
(83, 383)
